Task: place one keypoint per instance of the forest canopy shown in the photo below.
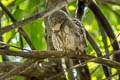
(26, 52)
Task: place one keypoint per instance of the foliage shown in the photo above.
(22, 9)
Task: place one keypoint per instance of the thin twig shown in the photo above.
(115, 2)
(95, 69)
(35, 71)
(12, 36)
(101, 19)
(104, 23)
(60, 4)
(8, 45)
(79, 65)
(21, 41)
(59, 54)
(19, 24)
(22, 32)
(17, 69)
(112, 76)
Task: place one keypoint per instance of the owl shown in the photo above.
(67, 35)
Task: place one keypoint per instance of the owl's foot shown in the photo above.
(79, 52)
(67, 51)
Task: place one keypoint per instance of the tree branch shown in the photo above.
(97, 50)
(45, 13)
(115, 2)
(106, 26)
(103, 21)
(8, 45)
(46, 69)
(59, 54)
(20, 29)
(27, 62)
(18, 69)
(19, 24)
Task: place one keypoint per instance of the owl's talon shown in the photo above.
(67, 51)
(69, 35)
(78, 52)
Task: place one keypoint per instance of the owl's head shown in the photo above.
(56, 19)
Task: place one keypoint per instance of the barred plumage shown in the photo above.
(66, 36)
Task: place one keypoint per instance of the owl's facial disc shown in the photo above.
(56, 19)
(56, 23)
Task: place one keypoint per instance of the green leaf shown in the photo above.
(18, 78)
(17, 2)
(36, 33)
(1, 58)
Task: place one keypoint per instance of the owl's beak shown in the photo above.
(56, 27)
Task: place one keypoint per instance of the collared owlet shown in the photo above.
(68, 34)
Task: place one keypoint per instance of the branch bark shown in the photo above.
(58, 61)
(27, 62)
(97, 50)
(45, 13)
(115, 2)
(103, 21)
(59, 54)
(106, 26)
(19, 24)
(20, 29)
(46, 69)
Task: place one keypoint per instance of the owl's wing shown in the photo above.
(80, 35)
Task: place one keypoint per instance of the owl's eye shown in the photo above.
(74, 19)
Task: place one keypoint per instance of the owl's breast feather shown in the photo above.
(64, 39)
(69, 38)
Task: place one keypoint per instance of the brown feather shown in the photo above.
(68, 36)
